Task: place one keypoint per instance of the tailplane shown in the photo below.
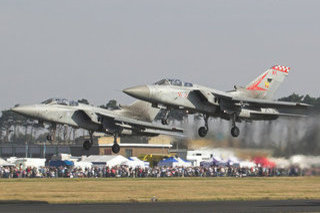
(267, 84)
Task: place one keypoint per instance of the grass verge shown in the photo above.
(168, 189)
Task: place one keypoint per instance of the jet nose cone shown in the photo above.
(140, 92)
(25, 110)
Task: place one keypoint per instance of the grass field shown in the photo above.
(171, 189)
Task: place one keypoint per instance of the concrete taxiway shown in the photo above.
(212, 206)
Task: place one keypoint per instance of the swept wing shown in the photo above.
(129, 123)
(251, 102)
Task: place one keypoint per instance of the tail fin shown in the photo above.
(267, 84)
(140, 110)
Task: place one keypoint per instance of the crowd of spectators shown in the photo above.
(156, 172)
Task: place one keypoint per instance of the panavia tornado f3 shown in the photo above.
(253, 102)
(135, 119)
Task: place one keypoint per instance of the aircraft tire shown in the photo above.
(235, 132)
(202, 131)
(115, 148)
(87, 145)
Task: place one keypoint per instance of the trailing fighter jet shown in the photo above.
(253, 102)
(135, 119)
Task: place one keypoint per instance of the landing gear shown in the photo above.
(88, 143)
(235, 131)
(115, 146)
(164, 119)
(52, 135)
(204, 129)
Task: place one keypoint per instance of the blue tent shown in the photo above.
(58, 163)
(167, 162)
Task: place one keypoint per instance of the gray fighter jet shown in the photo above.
(135, 119)
(253, 102)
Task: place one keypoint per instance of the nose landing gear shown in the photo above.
(88, 143)
(164, 119)
(52, 135)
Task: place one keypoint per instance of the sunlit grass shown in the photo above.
(168, 189)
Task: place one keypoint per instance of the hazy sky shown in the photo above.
(94, 49)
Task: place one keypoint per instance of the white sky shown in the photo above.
(94, 49)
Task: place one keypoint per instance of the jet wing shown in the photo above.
(260, 103)
(161, 132)
(272, 116)
(129, 123)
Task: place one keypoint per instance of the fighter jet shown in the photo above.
(253, 102)
(135, 119)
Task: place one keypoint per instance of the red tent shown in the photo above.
(264, 162)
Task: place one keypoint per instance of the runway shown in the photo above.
(214, 206)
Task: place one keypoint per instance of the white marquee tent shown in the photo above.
(28, 162)
(134, 162)
(5, 163)
(82, 164)
(105, 160)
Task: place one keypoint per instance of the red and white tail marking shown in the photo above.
(281, 68)
(265, 85)
(255, 85)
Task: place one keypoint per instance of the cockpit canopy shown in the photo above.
(61, 101)
(174, 82)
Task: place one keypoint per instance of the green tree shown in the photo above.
(84, 101)
(112, 104)
(292, 98)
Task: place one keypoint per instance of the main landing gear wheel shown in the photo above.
(115, 148)
(87, 145)
(235, 131)
(202, 131)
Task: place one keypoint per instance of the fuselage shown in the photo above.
(78, 115)
(185, 97)
(60, 114)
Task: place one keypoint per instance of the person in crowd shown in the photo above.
(155, 172)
